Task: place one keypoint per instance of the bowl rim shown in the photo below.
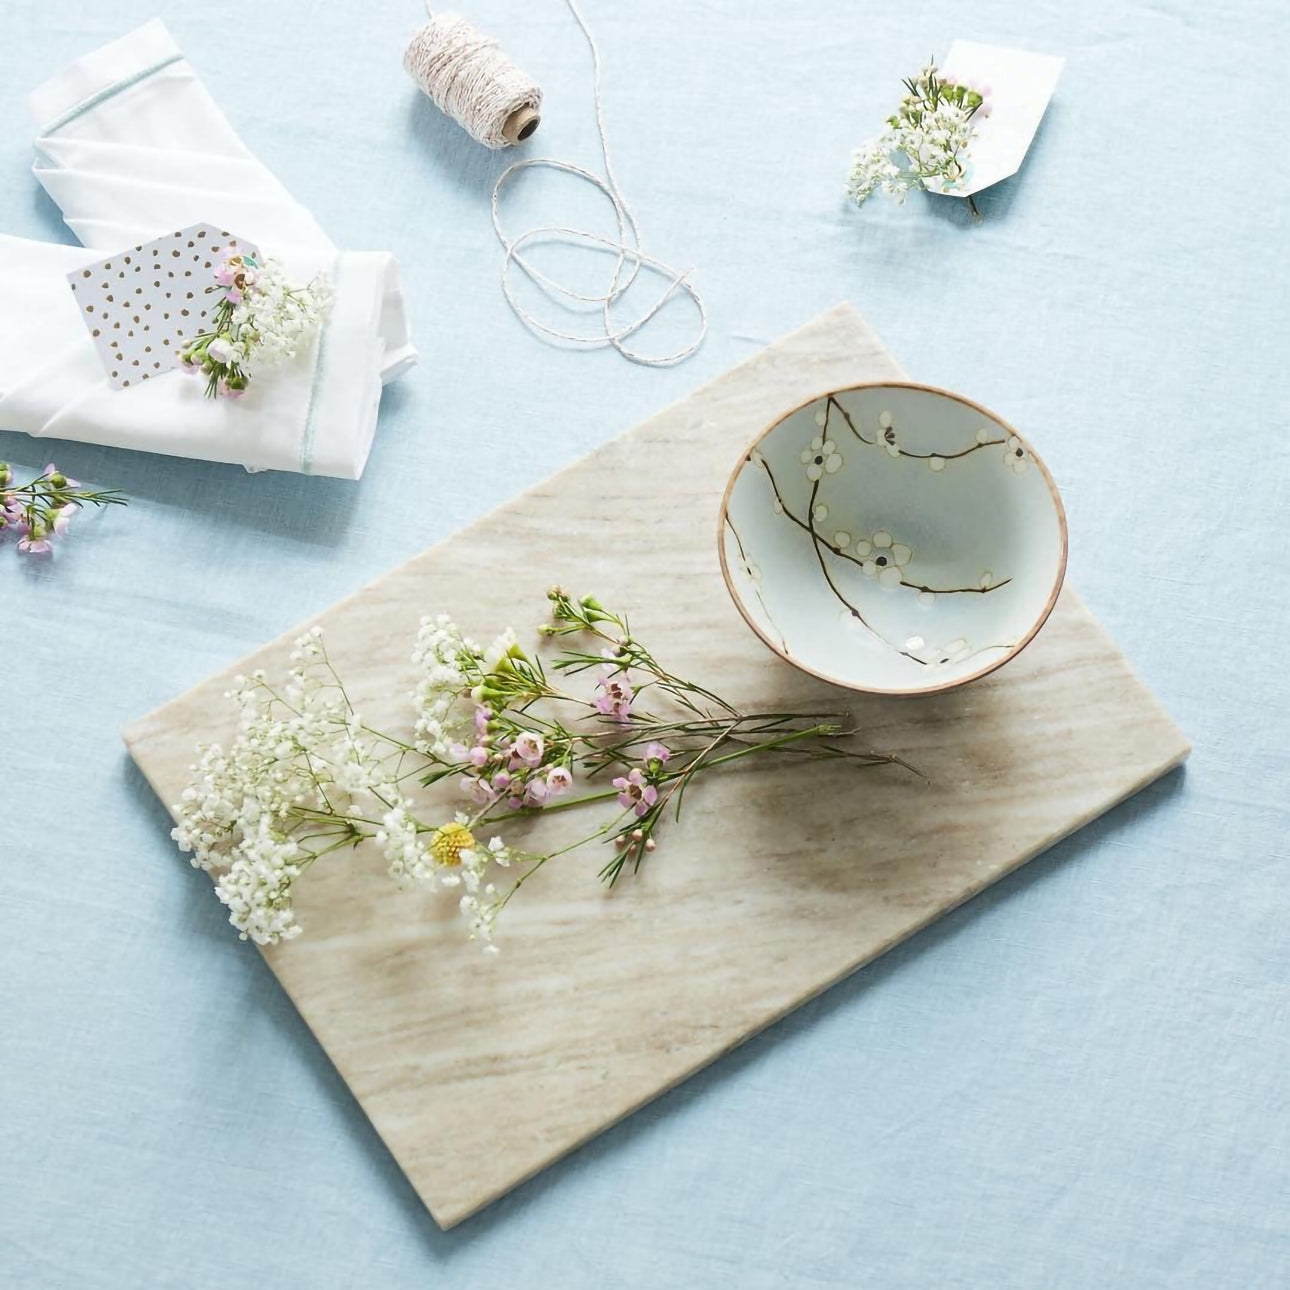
(1044, 614)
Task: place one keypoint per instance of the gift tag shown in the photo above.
(1020, 85)
(143, 305)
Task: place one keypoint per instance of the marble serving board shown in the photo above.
(478, 1071)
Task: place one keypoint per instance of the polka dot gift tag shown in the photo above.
(142, 306)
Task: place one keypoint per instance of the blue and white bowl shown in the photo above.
(893, 538)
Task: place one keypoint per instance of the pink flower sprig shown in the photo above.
(42, 510)
(616, 693)
(260, 320)
(307, 777)
(533, 742)
(635, 792)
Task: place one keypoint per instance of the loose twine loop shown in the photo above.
(470, 79)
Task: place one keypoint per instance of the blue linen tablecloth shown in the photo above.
(1078, 1080)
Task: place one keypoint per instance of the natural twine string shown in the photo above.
(468, 77)
(471, 80)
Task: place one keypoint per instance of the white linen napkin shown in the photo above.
(315, 415)
(132, 145)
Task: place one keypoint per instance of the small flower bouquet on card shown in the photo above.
(926, 143)
(306, 777)
(261, 321)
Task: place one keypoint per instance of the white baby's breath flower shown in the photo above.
(276, 320)
(257, 886)
(408, 858)
(299, 778)
(449, 665)
(501, 648)
(926, 142)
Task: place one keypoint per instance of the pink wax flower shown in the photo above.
(478, 755)
(656, 752)
(36, 541)
(502, 780)
(63, 519)
(458, 750)
(482, 717)
(528, 747)
(536, 793)
(615, 699)
(559, 780)
(235, 274)
(636, 792)
(479, 790)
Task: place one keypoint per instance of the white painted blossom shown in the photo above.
(883, 558)
(1015, 456)
(821, 458)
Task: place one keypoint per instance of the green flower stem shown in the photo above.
(701, 762)
(551, 855)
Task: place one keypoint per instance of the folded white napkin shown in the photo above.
(131, 145)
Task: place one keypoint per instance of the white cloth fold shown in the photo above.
(316, 414)
(131, 145)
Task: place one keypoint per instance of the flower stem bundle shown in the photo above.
(516, 735)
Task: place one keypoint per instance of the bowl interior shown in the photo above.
(893, 538)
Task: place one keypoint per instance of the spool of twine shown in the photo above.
(471, 80)
(467, 77)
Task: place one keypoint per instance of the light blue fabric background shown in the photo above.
(1080, 1079)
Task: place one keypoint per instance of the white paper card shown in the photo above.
(141, 305)
(1020, 86)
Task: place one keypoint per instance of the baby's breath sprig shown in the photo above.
(305, 776)
(926, 142)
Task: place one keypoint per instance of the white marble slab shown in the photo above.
(479, 1071)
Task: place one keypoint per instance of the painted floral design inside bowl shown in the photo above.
(893, 538)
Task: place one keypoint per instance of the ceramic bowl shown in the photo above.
(893, 538)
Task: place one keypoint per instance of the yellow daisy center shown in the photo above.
(449, 841)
